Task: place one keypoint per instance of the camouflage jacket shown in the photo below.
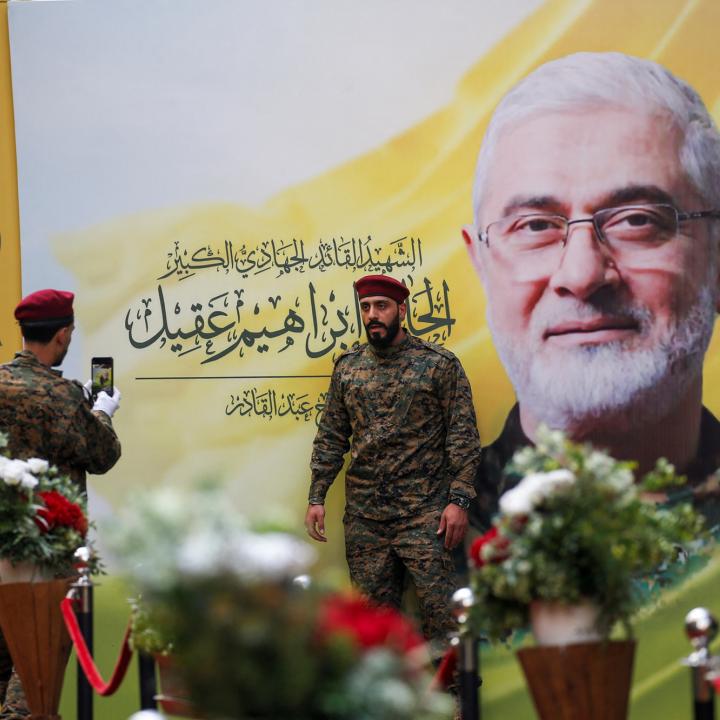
(48, 417)
(414, 435)
(703, 477)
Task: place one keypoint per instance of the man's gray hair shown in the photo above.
(611, 80)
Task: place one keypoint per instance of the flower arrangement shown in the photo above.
(250, 635)
(43, 515)
(576, 528)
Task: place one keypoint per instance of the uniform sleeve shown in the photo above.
(96, 445)
(462, 440)
(331, 442)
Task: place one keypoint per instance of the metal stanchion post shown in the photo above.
(148, 683)
(701, 628)
(468, 656)
(82, 590)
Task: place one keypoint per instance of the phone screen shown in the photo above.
(101, 374)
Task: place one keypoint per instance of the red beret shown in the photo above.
(381, 285)
(45, 307)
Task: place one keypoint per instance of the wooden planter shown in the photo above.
(588, 680)
(39, 644)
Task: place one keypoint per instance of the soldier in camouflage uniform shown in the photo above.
(49, 417)
(415, 449)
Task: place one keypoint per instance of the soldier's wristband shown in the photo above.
(461, 501)
(316, 501)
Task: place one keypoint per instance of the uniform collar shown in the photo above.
(29, 358)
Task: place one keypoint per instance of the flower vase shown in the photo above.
(554, 623)
(583, 680)
(23, 572)
(39, 644)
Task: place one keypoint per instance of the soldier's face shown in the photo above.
(585, 330)
(381, 317)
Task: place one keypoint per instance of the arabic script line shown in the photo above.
(318, 324)
(271, 404)
(283, 257)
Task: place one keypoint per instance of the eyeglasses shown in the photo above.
(628, 229)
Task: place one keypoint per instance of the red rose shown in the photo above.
(368, 625)
(497, 545)
(59, 511)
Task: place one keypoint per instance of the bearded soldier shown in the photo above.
(415, 449)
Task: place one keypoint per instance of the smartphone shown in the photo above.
(101, 375)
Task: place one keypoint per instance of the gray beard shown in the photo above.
(610, 386)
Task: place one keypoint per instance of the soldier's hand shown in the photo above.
(453, 522)
(315, 522)
(108, 403)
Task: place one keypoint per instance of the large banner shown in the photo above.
(9, 231)
(210, 178)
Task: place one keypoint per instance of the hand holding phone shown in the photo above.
(101, 376)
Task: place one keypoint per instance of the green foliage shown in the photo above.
(23, 535)
(247, 640)
(577, 527)
(145, 633)
(256, 654)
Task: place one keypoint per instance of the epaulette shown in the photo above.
(439, 349)
(350, 351)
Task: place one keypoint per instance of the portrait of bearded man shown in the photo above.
(596, 231)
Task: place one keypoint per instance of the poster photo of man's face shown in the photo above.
(596, 241)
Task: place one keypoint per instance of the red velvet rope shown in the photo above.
(446, 670)
(85, 658)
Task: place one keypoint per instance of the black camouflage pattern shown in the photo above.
(48, 417)
(409, 411)
(14, 705)
(380, 553)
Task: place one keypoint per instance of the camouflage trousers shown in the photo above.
(12, 698)
(14, 705)
(380, 555)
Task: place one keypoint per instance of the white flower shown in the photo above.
(532, 489)
(201, 553)
(269, 556)
(555, 479)
(535, 526)
(38, 466)
(250, 556)
(28, 481)
(549, 442)
(394, 696)
(13, 471)
(598, 463)
(516, 502)
(622, 480)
